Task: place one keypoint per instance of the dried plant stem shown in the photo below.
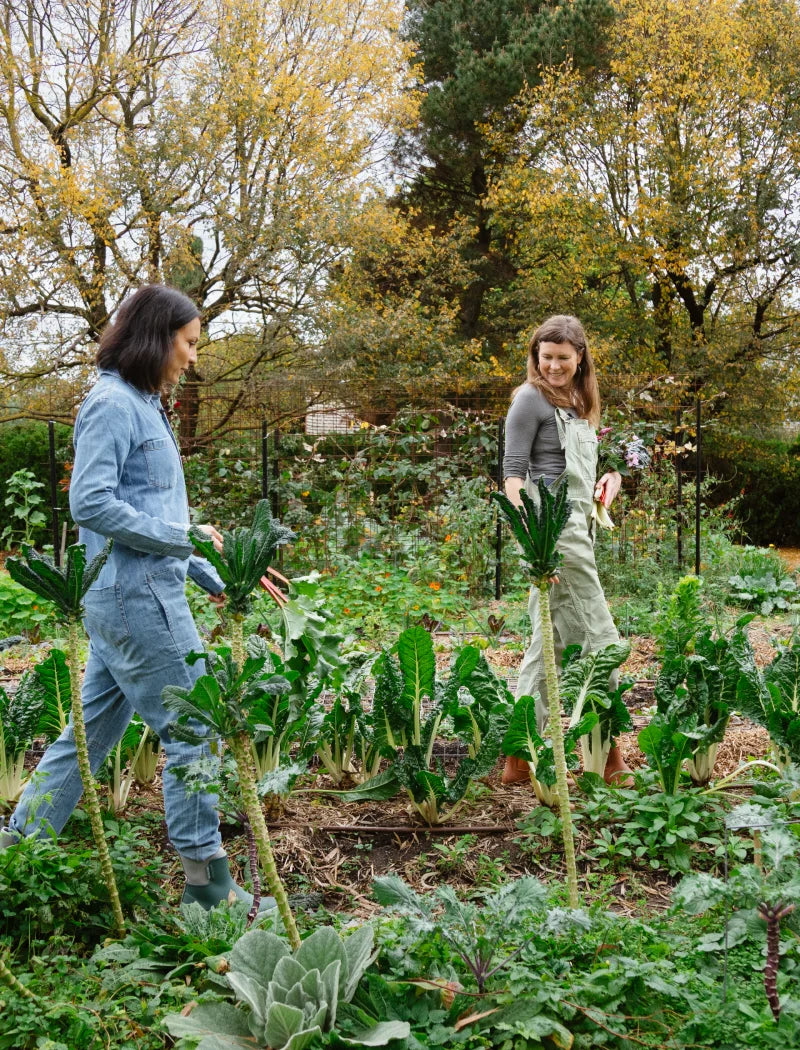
(89, 786)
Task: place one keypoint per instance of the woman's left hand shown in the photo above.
(607, 487)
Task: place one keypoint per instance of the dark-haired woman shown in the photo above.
(127, 485)
(550, 433)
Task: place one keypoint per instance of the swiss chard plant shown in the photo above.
(347, 748)
(230, 701)
(697, 685)
(66, 586)
(19, 717)
(409, 707)
(523, 740)
(242, 564)
(771, 698)
(537, 530)
(289, 999)
(585, 689)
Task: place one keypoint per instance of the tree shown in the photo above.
(474, 57)
(222, 145)
(660, 198)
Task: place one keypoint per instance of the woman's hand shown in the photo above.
(606, 489)
(213, 535)
(217, 599)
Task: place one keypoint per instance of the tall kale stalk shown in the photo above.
(242, 565)
(537, 531)
(66, 588)
(230, 701)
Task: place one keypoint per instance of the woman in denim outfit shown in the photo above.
(127, 485)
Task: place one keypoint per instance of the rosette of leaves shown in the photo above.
(523, 740)
(19, 717)
(66, 586)
(771, 698)
(537, 527)
(245, 557)
(479, 933)
(230, 701)
(285, 999)
(585, 689)
(407, 713)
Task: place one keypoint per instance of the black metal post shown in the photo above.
(679, 495)
(264, 462)
(275, 446)
(498, 559)
(51, 433)
(697, 480)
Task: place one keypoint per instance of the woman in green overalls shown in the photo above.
(550, 433)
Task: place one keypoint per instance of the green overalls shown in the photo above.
(577, 603)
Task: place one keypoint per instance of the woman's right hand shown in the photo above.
(213, 535)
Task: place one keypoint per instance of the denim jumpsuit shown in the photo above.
(577, 603)
(127, 484)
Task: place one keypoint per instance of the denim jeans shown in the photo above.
(128, 484)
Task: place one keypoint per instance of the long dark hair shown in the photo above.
(139, 342)
(583, 394)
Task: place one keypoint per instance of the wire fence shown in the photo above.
(404, 471)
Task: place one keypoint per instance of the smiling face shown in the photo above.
(184, 352)
(558, 363)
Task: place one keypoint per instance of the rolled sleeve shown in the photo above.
(103, 443)
(203, 573)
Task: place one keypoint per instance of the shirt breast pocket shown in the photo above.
(162, 463)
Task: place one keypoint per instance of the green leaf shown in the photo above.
(381, 1034)
(282, 1023)
(220, 1026)
(257, 953)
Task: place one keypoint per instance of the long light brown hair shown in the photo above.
(583, 394)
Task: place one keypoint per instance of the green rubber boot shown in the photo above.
(209, 882)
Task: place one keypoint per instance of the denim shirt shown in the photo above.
(127, 484)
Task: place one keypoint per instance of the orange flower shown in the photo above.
(378, 590)
(346, 611)
(435, 585)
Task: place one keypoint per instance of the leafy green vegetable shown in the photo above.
(19, 718)
(585, 689)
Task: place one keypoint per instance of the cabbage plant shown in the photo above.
(537, 530)
(285, 999)
(66, 586)
(771, 698)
